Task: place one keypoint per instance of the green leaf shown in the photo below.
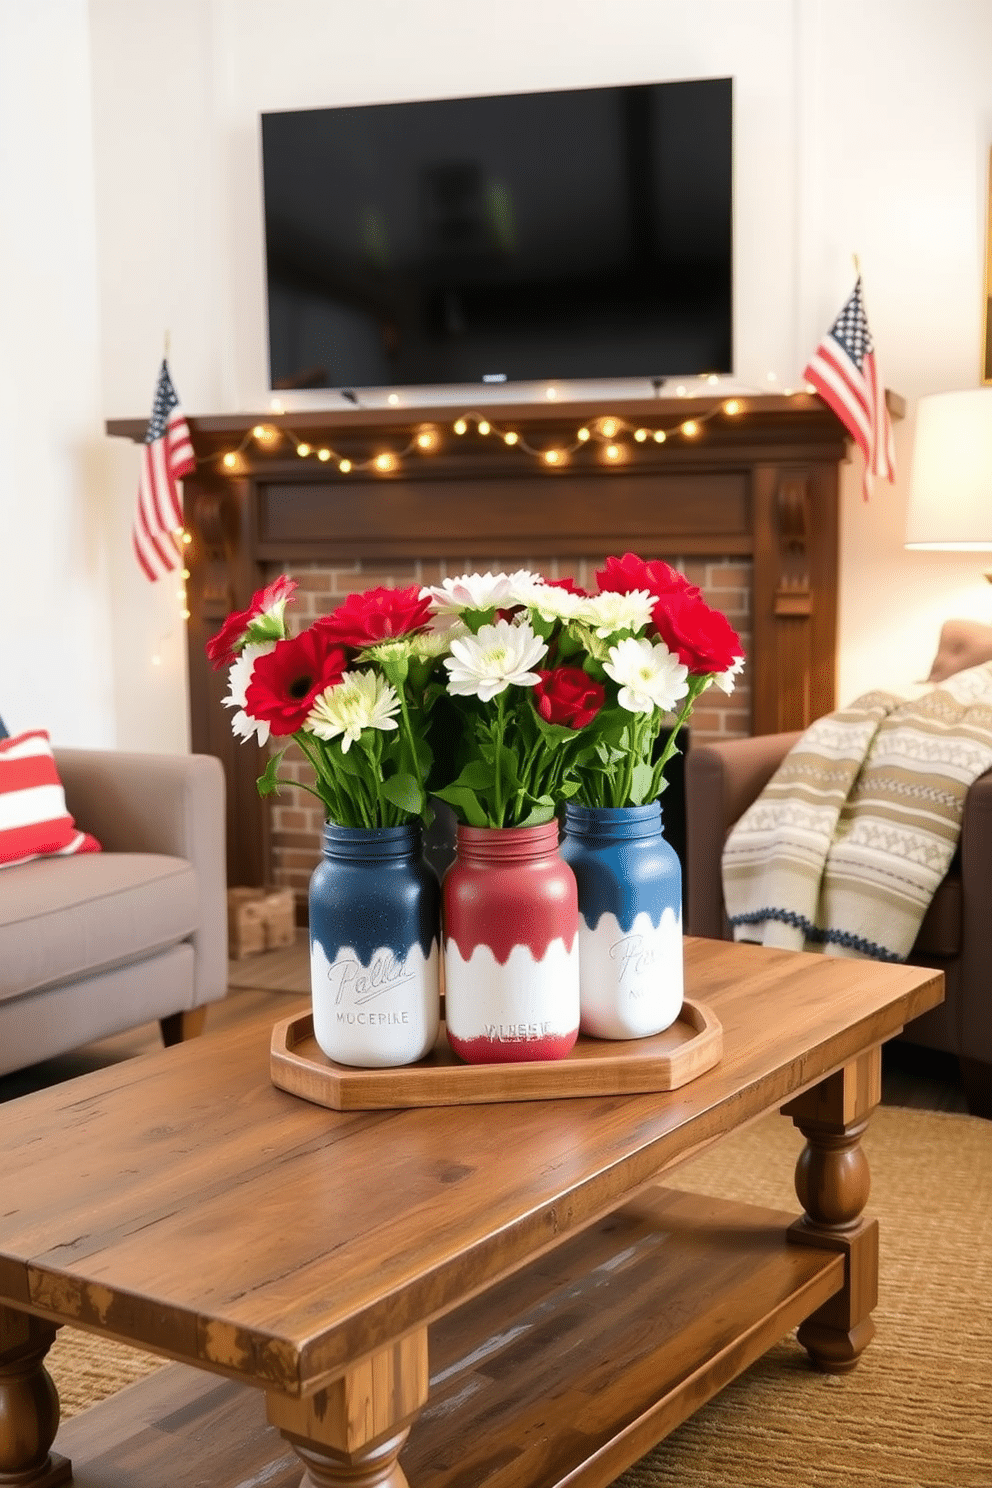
(642, 777)
(538, 814)
(403, 791)
(268, 782)
(465, 804)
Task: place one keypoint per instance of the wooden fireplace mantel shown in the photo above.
(762, 484)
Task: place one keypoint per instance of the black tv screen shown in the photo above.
(572, 234)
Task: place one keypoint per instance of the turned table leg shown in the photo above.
(350, 1434)
(29, 1405)
(833, 1182)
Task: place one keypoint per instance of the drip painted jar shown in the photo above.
(630, 919)
(374, 947)
(511, 965)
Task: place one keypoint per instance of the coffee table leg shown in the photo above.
(29, 1404)
(350, 1434)
(832, 1181)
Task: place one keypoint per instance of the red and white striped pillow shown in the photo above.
(34, 819)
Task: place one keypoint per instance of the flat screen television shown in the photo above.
(576, 234)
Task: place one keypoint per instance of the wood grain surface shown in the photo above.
(664, 1061)
(181, 1202)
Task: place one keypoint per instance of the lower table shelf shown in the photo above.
(564, 1373)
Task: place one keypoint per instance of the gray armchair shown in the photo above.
(100, 943)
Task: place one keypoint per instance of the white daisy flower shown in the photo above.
(725, 680)
(243, 725)
(550, 602)
(609, 612)
(500, 656)
(426, 645)
(359, 701)
(649, 675)
(486, 591)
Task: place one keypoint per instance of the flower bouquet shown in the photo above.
(353, 691)
(557, 699)
(558, 695)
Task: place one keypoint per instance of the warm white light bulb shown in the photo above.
(460, 426)
(302, 450)
(551, 392)
(230, 460)
(690, 428)
(323, 454)
(344, 466)
(552, 457)
(509, 437)
(583, 434)
(732, 406)
(393, 399)
(659, 436)
(640, 435)
(613, 452)
(484, 426)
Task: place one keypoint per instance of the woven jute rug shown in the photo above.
(915, 1412)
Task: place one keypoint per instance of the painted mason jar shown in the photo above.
(511, 961)
(630, 919)
(374, 947)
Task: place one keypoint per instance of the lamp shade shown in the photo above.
(950, 488)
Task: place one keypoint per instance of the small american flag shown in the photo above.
(166, 456)
(844, 373)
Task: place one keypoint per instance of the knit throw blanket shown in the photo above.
(846, 845)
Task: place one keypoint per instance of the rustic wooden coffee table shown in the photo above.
(451, 1297)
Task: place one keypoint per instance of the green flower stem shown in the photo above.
(696, 686)
(407, 730)
(498, 734)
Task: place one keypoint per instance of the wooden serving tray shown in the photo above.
(665, 1061)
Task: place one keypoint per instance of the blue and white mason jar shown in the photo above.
(630, 919)
(375, 922)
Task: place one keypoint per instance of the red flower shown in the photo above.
(568, 584)
(702, 638)
(377, 615)
(285, 681)
(225, 645)
(621, 575)
(568, 696)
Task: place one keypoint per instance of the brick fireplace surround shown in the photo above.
(748, 509)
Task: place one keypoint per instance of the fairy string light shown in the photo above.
(610, 433)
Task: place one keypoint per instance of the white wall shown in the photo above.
(861, 126)
(55, 650)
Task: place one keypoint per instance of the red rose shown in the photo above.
(702, 638)
(377, 615)
(567, 696)
(621, 575)
(224, 646)
(285, 681)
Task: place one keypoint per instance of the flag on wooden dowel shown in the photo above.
(166, 456)
(844, 371)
